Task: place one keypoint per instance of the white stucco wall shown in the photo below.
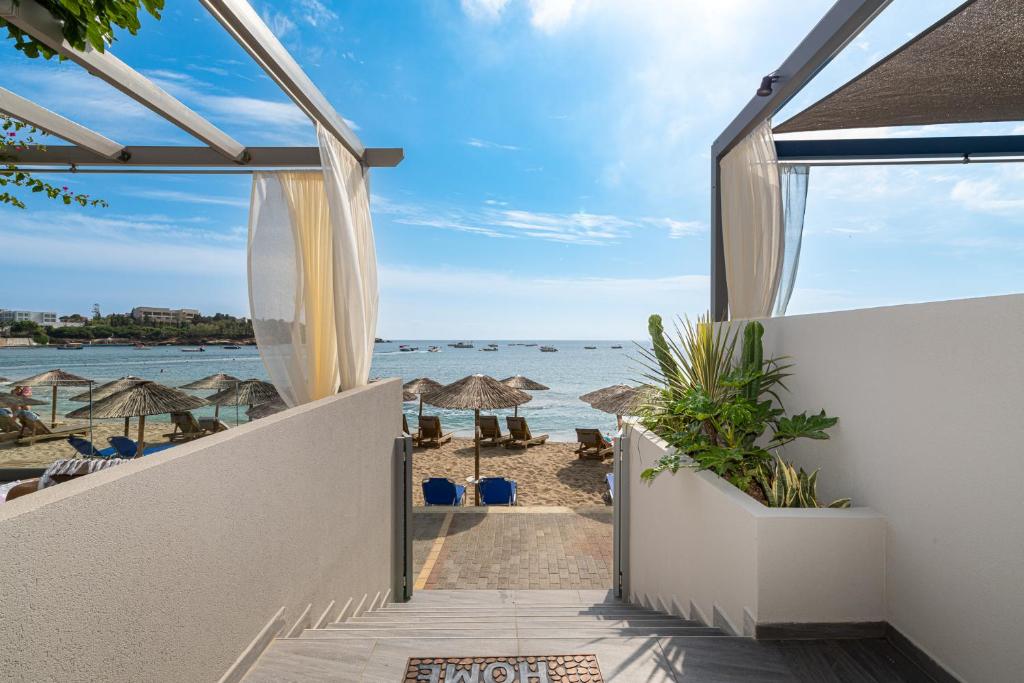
(696, 540)
(931, 434)
(166, 568)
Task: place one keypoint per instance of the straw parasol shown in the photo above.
(139, 400)
(408, 396)
(52, 378)
(213, 383)
(618, 399)
(13, 401)
(264, 409)
(104, 390)
(250, 392)
(421, 386)
(523, 383)
(476, 393)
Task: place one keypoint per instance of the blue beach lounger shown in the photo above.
(497, 491)
(441, 491)
(85, 447)
(126, 448)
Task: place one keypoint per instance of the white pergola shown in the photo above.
(90, 151)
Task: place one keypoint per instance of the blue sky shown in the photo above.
(556, 174)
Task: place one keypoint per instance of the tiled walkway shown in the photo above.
(514, 550)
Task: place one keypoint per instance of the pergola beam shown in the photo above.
(50, 122)
(245, 25)
(191, 157)
(900, 150)
(837, 28)
(36, 20)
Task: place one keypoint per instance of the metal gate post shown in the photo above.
(620, 515)
(401, 547)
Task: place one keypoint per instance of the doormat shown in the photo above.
(541, 669)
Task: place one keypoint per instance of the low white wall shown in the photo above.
(695, 540)
(930, 434)
(166, 568)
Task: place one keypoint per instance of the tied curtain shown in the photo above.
(313, 275)
(752, 224)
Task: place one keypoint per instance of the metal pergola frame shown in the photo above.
(90, 151)
(837, 28)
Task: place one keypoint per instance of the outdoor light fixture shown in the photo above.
(766, 85)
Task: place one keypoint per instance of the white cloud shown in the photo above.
(484, 10)
(560, 307)
(988, 195)
(496, 220)
(551, 15)
(189, 198)
(280, 24)
(487, 144)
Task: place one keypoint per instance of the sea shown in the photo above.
(572, 371)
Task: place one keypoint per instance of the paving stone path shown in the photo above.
(514, 550)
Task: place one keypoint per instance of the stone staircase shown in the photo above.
(375, 646)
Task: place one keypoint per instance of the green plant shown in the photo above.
(669, 370)
(786, 487)
(85, 23)
(720, 414)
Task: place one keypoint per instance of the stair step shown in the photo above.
(518, 623)
(519, 619)
(512, 632)
(574, 609)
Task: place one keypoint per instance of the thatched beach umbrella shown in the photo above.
(408, 396)
(53, 378)
(421, 386)
(524, 384)
(139, 400)
(213, 383)
(13, 401)
(250, 392)
(265, 409)
(476, 393)
(102, 391)
(618, 399)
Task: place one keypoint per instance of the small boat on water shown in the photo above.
(590, 348)
(433, 349)
(198, 349)
(617, 346)
(231, 346)
(406, 347)
(489, 348)
(70, 346)
(548, 349)
(529, 344)
(461, 345)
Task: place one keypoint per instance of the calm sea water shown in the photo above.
(572, 371)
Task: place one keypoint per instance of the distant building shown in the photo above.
(152, 314)
(8, 317)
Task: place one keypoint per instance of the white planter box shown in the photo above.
(700, 547)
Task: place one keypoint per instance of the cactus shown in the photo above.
(785, 487)
(752, 359)
(661, 350)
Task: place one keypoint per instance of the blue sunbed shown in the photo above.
(85, 447)
(126, 448)
(441, 491)
(497, 491)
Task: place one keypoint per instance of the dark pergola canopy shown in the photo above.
(965, 68)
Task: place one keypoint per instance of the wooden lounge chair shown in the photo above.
(490, 431)
(521, 436)
(187, 427)
(592, 444)
(10, 429)
(431, 433)
(408, 432)
(36, 430)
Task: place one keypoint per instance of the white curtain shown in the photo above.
(794, 206)
(313, 276)
(752, 224)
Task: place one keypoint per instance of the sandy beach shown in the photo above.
(546, 475)
(43, 453)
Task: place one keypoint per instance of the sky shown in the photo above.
(555, 181)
